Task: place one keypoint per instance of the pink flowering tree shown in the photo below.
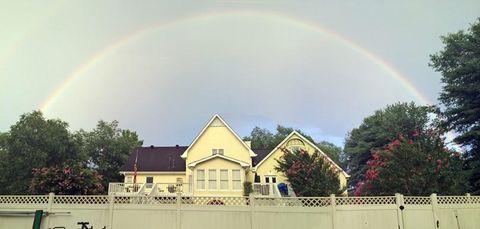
(66, 181)
(417, 165)
(309, 174)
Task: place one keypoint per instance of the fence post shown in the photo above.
(179, 213)
(49, 208)
(333, 206)
(111, 203)
(400, 206)
(468, 198)
(251, 200)
(433, 199)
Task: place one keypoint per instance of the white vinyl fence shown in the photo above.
(177, 212)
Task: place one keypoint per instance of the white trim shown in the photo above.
(311, 144)
(184, 155)
(152, 172)
(195, 163)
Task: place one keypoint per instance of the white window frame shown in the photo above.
(218, 151)
(200, 180)
(212, 179)
(224, 180)
(237, 180)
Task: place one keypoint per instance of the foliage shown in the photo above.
(418, 165)
(334, 152)
(108, 148)
(378, 130)
(459, 64)
(309, 174)
(247, 188)
(66, 181)
(264, 139)
(34, 142)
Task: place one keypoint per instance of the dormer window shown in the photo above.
(217, 151)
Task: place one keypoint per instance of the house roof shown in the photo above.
(157, 159)
(310, 143)
(261, 153)
(241, 163)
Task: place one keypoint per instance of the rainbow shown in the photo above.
(307, 25)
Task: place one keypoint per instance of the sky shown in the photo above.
(164, 68)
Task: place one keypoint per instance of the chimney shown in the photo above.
(176, 146)
(249, 144)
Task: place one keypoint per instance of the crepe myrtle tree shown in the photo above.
(309, 174)
(66, 181)
(417, 165)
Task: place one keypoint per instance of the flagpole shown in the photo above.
(135, 169)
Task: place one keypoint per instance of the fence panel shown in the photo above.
(189, 212)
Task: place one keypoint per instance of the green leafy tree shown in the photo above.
(108, 148)
(34, 142)
(419, 165)
(309, 174)
(66, 181)
(378, 130)
(334, 152)
(459, 64)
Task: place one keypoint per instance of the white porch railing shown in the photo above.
(149, 188)
(171, 189)
(125, 188)
(266, 189)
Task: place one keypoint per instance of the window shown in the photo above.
(179, 180)
(129, 179)
(236, 179)
(257, 178)
(200, 179)
(212, 179)
(224, 179)
(217, 151)
(149, 180)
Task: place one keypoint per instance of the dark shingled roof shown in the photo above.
(161, 159)
(261, 153)
(167, 159)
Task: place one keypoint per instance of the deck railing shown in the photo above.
(149, 188)
(125, 188)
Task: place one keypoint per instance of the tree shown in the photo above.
(378, 130)
(66, 181)
(309, 174)
(34, 142)
(419, 165)
(459, 64)
(334, 152)
(260, 138)
(108, 148)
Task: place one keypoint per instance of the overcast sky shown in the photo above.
(163, 68)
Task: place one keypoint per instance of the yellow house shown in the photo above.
(216, 163)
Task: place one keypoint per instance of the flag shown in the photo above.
(135, 169)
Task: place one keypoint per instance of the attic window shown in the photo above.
(295, 144)
(217, 151)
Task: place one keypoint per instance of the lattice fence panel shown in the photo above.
(294, 201)
(80, 200)
(458, 200)
(23, 199)
(417, 200)
(216, 201)
(145, 200)
(377, 200)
